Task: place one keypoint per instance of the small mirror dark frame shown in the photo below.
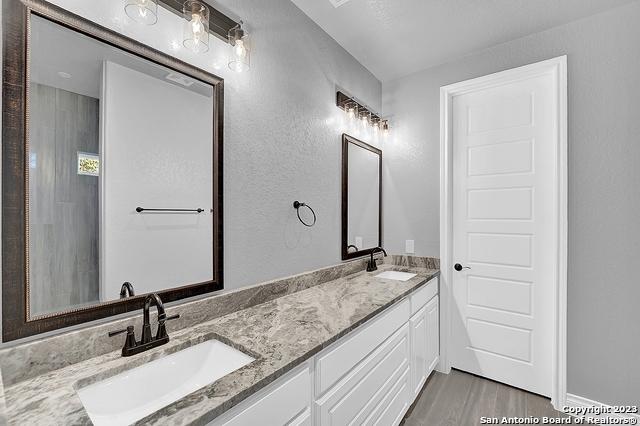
(16, 15)
(346, 140)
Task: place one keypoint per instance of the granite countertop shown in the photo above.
(280, 334)
(3, 407)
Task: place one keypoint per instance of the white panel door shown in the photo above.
(503, 204)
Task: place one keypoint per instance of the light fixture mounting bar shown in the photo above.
(343, 99)
(219, 23)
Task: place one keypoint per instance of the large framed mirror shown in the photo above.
(111, 173)
(361, 197)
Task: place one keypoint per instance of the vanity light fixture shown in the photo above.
(240, 50)
(196, 27)
(355, 109)
(142, 11)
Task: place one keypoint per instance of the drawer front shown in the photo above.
(420, 297)
(283, 402)
(344, 355)
(367, 391)
(395, 404)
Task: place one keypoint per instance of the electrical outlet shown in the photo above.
(359, 243)
(409, 247)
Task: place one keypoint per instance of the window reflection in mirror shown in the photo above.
(109, 132)
(362, 197)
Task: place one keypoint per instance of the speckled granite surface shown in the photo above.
(415, 261)
(40, 356)
(3, 406)
(280, 334)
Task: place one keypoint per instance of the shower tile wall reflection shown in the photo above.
(63, 205)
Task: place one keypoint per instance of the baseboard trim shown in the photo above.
(578, 402)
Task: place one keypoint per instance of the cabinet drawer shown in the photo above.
(420, 297)
(344, 355)
(287, 401)
(366, 392)
(395, 404)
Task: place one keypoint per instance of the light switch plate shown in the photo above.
(409, 247)
(359, 243)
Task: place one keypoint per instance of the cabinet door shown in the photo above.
(419, 350)
(433, 335)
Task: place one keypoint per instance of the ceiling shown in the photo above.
(394, 38)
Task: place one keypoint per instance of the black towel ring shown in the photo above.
(297, 205)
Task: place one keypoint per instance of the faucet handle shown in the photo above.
(162, 329)
(163, 317)
(130, 342)
(129, 329)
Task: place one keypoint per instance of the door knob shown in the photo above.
(458, 267)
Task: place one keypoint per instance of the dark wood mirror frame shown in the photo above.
(16, 23)
(346, 140)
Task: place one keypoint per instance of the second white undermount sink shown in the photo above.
(134, 394)
(396, 275)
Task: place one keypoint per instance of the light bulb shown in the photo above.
(142, 8)
(239, 49)
(142, 11)
(196, 25)
(351, 113)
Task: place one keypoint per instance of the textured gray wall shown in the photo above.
(281, 142)
(281, 145)
(604, 177)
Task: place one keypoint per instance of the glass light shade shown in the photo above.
(142, 11)
(351, 108)
(385, 127)
(365, 116)
(375, 123)
(196, 26)
(239, 50)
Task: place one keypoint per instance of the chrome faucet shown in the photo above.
(371, 264)
(147, 341)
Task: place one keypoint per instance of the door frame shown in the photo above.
(558, 68)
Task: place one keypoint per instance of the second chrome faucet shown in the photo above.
(147, 340)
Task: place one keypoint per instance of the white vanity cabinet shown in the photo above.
(371, 376)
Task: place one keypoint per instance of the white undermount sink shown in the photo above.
(136, 393)
(396, 275)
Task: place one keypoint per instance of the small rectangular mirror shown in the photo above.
(361, 197)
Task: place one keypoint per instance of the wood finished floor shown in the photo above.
(461, 399)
